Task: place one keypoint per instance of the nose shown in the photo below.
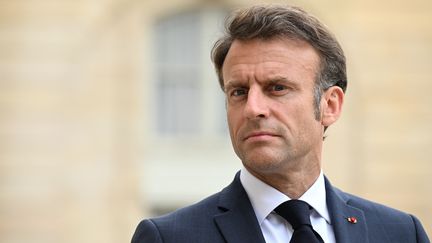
(256, 104)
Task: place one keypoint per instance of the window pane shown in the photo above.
(177, 61)
(178, 104)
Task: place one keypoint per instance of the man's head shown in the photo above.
(284, 76)
(269, 22)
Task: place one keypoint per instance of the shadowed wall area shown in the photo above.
(110, 111)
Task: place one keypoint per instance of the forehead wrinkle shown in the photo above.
(274, 64)
(243, 69)
(261, 63)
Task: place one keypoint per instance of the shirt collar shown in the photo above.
(265, 199)
(315, 196)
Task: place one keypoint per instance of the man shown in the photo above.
(284, 77)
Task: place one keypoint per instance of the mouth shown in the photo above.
(260, 136)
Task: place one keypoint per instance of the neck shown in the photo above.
(293, 182)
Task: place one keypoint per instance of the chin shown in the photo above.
(262, 164)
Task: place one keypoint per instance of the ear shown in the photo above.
(331, 105)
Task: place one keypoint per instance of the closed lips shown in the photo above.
(259, 134)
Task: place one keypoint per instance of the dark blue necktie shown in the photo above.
(297, 213)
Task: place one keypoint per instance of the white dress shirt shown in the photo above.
(276, 229)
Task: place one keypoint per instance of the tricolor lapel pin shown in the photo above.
(352, 220)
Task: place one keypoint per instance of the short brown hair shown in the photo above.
(272, 21)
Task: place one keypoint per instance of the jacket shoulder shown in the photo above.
(193, 223)
(380, 218)
(371, 208)
(196, 212)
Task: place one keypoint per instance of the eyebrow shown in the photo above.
(273, 80)
(230, 84)
(277, 79)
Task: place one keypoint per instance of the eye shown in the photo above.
(238, 92)
(278, 87)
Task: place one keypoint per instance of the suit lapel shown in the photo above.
(349, 223)
(237, 223)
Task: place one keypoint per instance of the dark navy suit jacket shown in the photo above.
(228, 217)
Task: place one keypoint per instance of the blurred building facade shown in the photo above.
(110, 111)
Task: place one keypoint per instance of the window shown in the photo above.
(188, 101)
(188, 133)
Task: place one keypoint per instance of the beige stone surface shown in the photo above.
(74, 77)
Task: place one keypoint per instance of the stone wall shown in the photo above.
(74, 121)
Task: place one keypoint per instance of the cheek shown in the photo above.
(232, 120)
(235, 123)
(299, 114)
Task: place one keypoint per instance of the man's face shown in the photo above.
(269, 91)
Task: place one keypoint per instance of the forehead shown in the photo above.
(279, 56)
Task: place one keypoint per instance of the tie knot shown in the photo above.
(296, 212)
